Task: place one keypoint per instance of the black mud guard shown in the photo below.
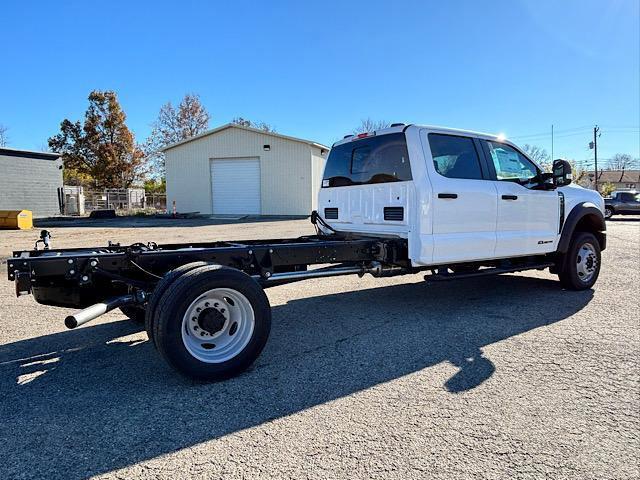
(597, 227)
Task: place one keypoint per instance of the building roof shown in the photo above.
(249, 129)
(617, 176)
(12, 152)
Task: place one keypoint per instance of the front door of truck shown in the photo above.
(528, 218)
(463, 204)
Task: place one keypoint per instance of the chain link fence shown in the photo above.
(79, 201)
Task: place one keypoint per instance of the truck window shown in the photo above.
(455, 157)
(376, 159)
(628, 197)
(510, 164)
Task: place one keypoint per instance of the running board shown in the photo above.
(444, 277)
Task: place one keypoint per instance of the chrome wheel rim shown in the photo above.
(218, 325)
(586, 262)
(608, 213)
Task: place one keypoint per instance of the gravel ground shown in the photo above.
(505, 377)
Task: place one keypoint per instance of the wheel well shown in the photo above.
(593, 224)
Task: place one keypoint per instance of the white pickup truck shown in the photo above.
(403, 200)
(462, 197)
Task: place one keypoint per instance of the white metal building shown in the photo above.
(239, 170)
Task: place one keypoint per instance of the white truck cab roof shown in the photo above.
(401, 127)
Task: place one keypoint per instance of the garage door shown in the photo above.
(235, 185)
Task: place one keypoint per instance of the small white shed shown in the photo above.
(236, 170)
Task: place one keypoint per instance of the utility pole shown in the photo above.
(552, 142)
(594, 146)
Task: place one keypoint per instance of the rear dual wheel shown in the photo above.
(212, 322)
(134, 312)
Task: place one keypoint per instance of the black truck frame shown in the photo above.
(79, 277)
(161, 285)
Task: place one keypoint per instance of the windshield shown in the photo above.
(376, 159)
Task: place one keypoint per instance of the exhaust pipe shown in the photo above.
(94, 311)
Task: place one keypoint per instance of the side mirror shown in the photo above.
(562, 173)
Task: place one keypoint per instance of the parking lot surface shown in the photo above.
(501, 377)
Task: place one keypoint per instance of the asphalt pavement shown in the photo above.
(501, 377)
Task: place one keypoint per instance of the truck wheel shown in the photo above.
(608, 212)
(134, 312)
(212, 323)
(581, 264)
(159, 291)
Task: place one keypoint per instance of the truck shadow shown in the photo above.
(96, 399)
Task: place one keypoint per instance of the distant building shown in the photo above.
(30, 181)
(233, 170)
(621, 179)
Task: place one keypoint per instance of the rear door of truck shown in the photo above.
(464, 205)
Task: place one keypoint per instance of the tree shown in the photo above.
(620, 161)
(172, 126)
(607, 188)
(153, 185)
(101, 149)
(4, 139)
(538, 155)
(369, 125)
(243, 122)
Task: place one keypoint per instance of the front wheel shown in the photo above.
(581, 264)
(212, 323)
(608, 212)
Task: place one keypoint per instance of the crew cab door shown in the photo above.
(528, 218)
(464, 206)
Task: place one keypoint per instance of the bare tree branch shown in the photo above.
(172, 126)
(4, 139)
(620, 161)
(369, 125)
(243, 122)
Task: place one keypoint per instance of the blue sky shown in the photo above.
(314, 69)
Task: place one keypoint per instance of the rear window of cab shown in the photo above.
(376, 159)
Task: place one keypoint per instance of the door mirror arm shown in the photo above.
(544, 181)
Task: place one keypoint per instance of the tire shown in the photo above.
(159, 291)
(212, 323)
(134, 312)
(608, 212)
(581, 264)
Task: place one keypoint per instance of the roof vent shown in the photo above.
(397, 124)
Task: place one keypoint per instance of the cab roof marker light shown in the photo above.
(364, 135)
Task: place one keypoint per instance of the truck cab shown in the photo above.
(456, 196)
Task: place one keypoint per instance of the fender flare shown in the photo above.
(578, 212)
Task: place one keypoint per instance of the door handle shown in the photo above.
(509, 197)
(447, 195)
